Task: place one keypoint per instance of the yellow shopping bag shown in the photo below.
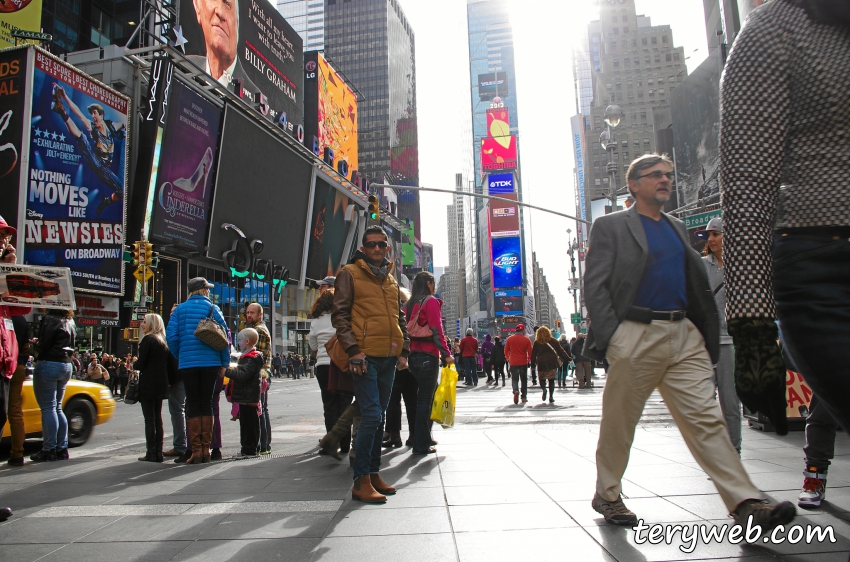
(443, 409)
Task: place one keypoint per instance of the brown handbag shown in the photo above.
(337, 354)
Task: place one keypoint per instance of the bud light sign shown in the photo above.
(500, 183)
(507, 262)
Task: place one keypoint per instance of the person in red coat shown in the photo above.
(518, 355)
(469, 351)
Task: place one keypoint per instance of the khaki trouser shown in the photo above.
(16, 412)
(671, 357)
(583, 373)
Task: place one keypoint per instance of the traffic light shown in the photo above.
(136, 253)
(148, 253)
(374, 208)
(558, 323)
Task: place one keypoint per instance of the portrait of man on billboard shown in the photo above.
(97, 144)
(219, 21)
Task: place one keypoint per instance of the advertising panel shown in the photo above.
(254, 161)
(504, 217)
(507, 262)
(330, 111)
(329, 232)
(96, 311)
(23, 14)
(184, 180)
(500, 183)
(498, 150)
(38, 286)
(76, 177)
(508, 303)
(577, 125)
(492, 84)
(250, 41)
(13, 97)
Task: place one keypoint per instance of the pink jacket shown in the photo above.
(8, 342)
(432, 316)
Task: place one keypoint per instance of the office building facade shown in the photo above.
(307, 17)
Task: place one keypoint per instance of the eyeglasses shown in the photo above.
(372, 244)
(656, 175)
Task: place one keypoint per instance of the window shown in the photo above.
(661, 91)
(643, 41)
(604, 180)
(637, 62)
(671, 78)
(619, 85)
(646, 151)
(675, 56)
(668, 57)
(613, 45)
(640, 94)
(640, 83)
(616, 63)
(655, 40)
(625, 29)
(648, 59)
(625, 155)
(634, 42)
(625, 143)
(660, 80)
(625, 18)
(645, 140)
(636, 142)
(643, 114)
(657, 59)
(608, 85)
(631, 95)
(597, 182)
(663, 38)
(650, 81)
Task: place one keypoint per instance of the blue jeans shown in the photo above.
(177, 409)
(470, 368)
(426, 368)
(48, 382)
(372, 390)
(812, 289)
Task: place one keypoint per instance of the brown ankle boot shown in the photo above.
(206, 437)
(193, 426)
(380, 486)
(363, 491)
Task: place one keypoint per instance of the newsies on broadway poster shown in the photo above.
(74, 185)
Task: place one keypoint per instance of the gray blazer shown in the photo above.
(616, 260)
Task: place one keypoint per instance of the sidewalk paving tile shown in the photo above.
(153, 528)
(269, 526)
(404, 548)
(35, 530)
(507, 517)
(539, 545)
(110, 552)
(227, 550)
(401, 521)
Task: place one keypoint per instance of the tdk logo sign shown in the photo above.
(500, 183)
(507, 261)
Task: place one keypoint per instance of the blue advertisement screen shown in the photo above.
(500, 183)
(508, 303)
(507, 262)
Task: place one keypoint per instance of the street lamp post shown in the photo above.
(613, 117)
(573, 247)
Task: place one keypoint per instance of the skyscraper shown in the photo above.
(373, 44)
(307, 17)
(638, 68)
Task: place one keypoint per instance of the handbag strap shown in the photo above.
(419, 311)
(717, 289)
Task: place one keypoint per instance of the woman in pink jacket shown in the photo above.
(424, 310)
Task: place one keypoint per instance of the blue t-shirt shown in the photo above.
(663, 283)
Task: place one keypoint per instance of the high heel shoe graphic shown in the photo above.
(199, 177)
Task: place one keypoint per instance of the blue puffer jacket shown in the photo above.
(180, 333)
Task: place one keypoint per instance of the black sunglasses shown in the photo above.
(373, 243)
(656, 175)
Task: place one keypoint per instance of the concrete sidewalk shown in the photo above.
(496, 491)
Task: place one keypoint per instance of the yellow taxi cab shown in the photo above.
(86, 404)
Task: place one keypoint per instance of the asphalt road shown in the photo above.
(295, 407)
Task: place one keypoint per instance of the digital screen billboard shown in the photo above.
(251, 41)
(185, 170)
(498, 150)
(500, 183)
(13, 97)
(330, 111)
(77, 175)
(329, 231)
(508, 303)
(504, 217)
(23, 14)
(492, 84)
(507, 262)
(254, 161)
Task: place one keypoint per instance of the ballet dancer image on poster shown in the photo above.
(96, 142)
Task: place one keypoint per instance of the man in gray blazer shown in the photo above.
(652, 316)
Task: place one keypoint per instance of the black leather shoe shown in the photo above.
(183, 457)
(5, 513)
(215, 455)
(43, 456)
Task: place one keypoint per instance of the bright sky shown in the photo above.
(543, 31)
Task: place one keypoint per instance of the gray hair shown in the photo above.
(641, 163)
(469, 331)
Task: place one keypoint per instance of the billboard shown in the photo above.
(41, 287)
(500, 183)
(254, 161)
(13, 98)
(23, 14)
(248, 40)
(577, 125)
(507, 262)
(508, 303)
(77, 175)
(330, 111)
(504, 217)
(183, 169)
(332, 236)
(498, 150)
(492, 84)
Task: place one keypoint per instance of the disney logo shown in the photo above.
(34, 214)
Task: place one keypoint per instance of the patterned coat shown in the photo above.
(784, 144)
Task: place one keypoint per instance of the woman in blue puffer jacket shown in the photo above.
(199, 364)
